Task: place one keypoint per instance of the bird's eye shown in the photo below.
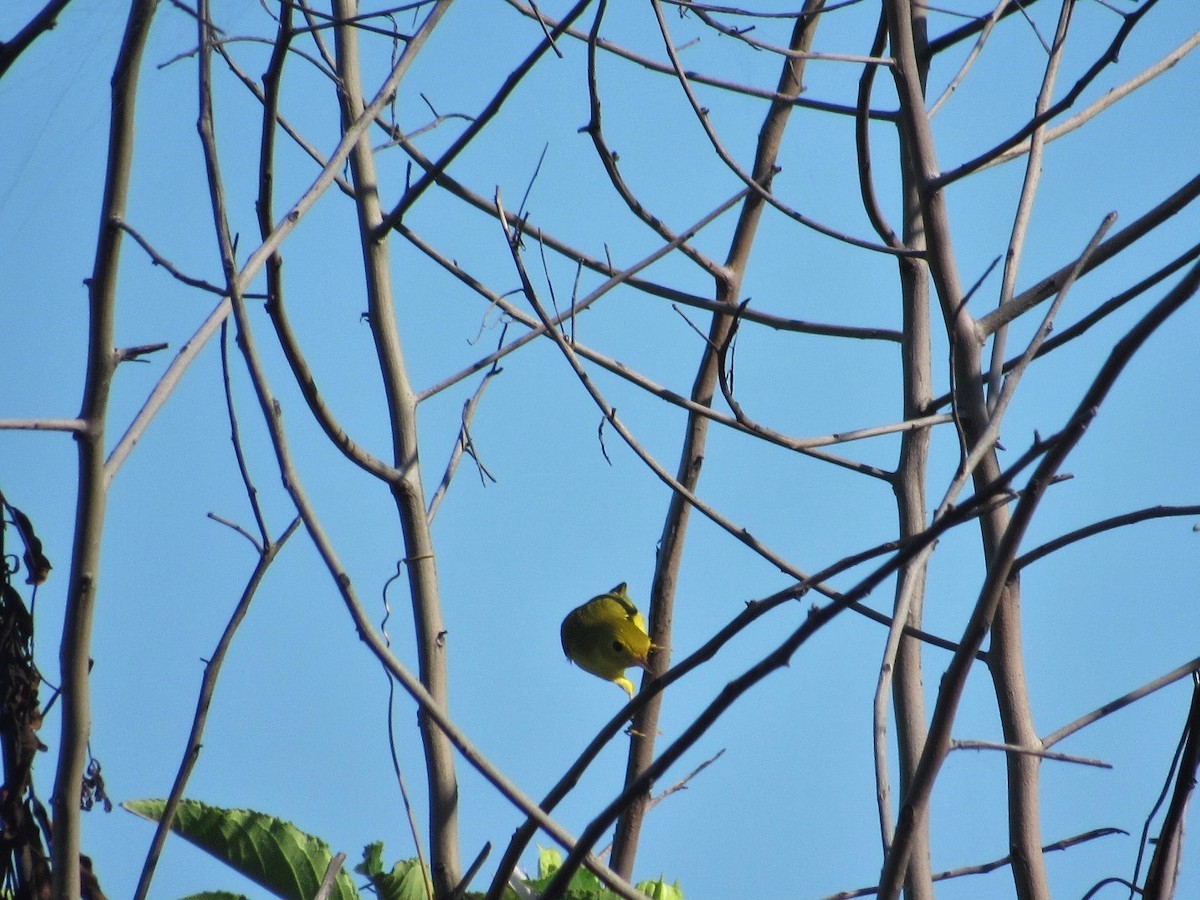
(618, 647)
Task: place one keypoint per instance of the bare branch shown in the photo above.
(1079, 534)
(608, 159)
(1108, 57)
(1000, 571)
(1108, 100)
(1123, 239)
(208, 686)
(610, 414)
(760, 187)
(407, 489)
(462, 443)
(978, 23)
(477, 124)
(70, 425)
(1024, 213)
(1029, 751)
(985, 30)
(985, 442)
(188, 353)
(1121, 702)
(654, 65)
(75, 646)
(1163, 875)
(41, 22)
(159, 260)
(238, 529)
(984, 868)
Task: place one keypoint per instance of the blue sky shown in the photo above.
(298, 724)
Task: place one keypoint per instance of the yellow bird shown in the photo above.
(607, 635)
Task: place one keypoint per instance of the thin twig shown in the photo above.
(1024, 213)
(187, 354)
(208, 686)
(737, 531)
(862, 142)
(984, 868)
(765, 193)
(680, 785)
(409, 812)
(985, 30)
(748, 90)
(1108, 57)
(462, 443)
(1110, 98)
(1121, 702)
(75, 425)
(159, 260)
(1163, 875)
(1079, 534)
(493, 107)
(1039, 752)
(234, 526)
(608, 159)
(236, 439)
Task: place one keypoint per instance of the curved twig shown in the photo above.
(1107, 58)
(608, 159)
(654, 65)
(761, 190)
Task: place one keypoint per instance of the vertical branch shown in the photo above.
(908, 690)
(1033, 175)
(998, 588)
(406, 489)
(671, 544)
(1164, 867)
(74, 650)
(1006, 662)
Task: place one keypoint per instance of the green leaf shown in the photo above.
(269, 851)
(549, 861)
(660, 890)
(586, 886)
(404, 882)
(372, 863)
(216, 895)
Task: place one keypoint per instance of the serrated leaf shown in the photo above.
(549, 861)
(269, 851)
(584, 885)
(660, 890)
(404, 882)
(372, 863)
